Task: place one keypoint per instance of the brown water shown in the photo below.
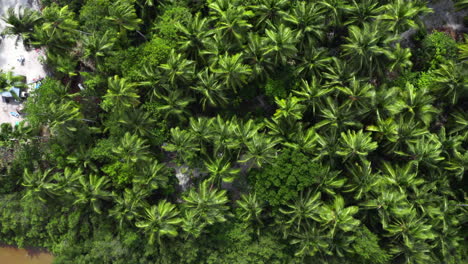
(12, 255)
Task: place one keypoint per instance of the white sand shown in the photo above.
(9, 54)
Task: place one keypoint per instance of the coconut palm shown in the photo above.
(68, 181)
(367, 48)
(400, 59)
(132, 149)
(402, 15)
(268, 12)
(231, 22)
(138, 122)
(153, 176)
(356, 145)
(360, 12)
(127, 206)
(123, 14)
(415, 103)
(251, 208)
(209, 204)
(301, 213)
(21, 23)
(177, 69)
(183, 143)
(212, 92)
(254, 56)
(220, 169)
(92, 192)
(9, 81)
(39, 185)
(289, 108)
(450, 82)
(121, 94)
(173, 104)
(311, 93)
(97, 47)
(338, 218)
(160, 220)
(312, 63)
(193, 36)
(232, 71)
(280, 45)
(308, 20)
(260, 150)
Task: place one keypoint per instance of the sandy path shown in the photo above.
(9, 54)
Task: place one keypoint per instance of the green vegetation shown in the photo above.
(302, 131)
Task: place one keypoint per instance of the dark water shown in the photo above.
(13, 255)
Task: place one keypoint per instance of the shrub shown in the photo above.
(438, 47)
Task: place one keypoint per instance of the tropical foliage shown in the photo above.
(227, 131)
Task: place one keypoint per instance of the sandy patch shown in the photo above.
(10, 52)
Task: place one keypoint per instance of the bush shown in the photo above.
(282, 181)
(165, 25)
(130, 62)
(438, 47)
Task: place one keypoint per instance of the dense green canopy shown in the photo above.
(239, 131)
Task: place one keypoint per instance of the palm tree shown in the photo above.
(231, 22)
(123, 14)
(177, 69)
(58, 30)
(92, 192)
(363, 180)
(220, 169)
(415, 103)
(139, 122)
(311, 93)
(334, 10)
(268, 12)
(211, 90)
(231, 70)
(251, 208)
(254, 56)
(174, 104)
(97, 46)
(127, 206)
(201, 129)
(338, 73)
(132, 149)
(402, 15)
(281, 44)
(160, 220)
(193, 36)
(64, 118)
(400, 58)
(9, 81)
(260, 150)
(154, 176)
(356, 145)
(21, 23)
(451, 82)
(308, 20)
(312, 63)
(338, 217)
(120, 95)
(360, 12)
(367, 48)
(208, 204)
(39, 184)
(183, 143)
(68, 181)
(302, 212)
(289, 108)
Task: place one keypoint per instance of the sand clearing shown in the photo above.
(10, 52)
